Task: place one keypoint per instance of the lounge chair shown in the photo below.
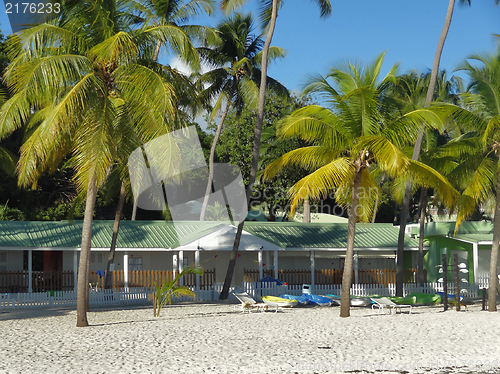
(248, 304)
(383, 303)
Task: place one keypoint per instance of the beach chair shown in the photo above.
(383, 303)
(248, 304)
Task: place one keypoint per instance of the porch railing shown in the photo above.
(147, 278)
(18, 281)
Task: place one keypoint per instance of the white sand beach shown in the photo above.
(212, 338)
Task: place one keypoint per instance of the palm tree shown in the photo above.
(418, 143)
(410, 93)
(234, 80)
(80, 74)
(360, 130)
(177, 14)
(480, 171)
(269, 17)
(169, 289)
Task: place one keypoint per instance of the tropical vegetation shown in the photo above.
(82, 91)
(170, 289)
(358, 134)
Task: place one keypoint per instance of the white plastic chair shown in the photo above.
(248, 303)
(383, 303)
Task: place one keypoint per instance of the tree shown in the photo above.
(479, 170)
(233, 82)
(418, 144)
(170, 289)
(360, 130)
(269, 16)
(73, 80)
(410, 92)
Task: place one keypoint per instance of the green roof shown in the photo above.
(471, 231)
(327, 235)
(475, 238)
(132, 234)
(162, 234)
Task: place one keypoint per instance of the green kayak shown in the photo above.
(425, 298)
(408, 300)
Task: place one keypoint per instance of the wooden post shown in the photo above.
(484, 298)
(445, 282)
(457, 283)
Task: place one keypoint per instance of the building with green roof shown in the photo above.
(161, 245)
(472, 243)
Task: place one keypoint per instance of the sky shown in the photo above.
(407, 31)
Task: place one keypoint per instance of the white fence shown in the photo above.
(261, 289)
(255, 289)
(64, 298)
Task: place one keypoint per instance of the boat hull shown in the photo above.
(279, 302)
(318, 300)
(302, 300)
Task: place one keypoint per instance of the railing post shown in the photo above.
(276, 264)
(312, 268)
(75, 269)
(197, 263)
(30, 270)
(125, 270)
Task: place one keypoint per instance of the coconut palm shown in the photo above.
(234, 80)
(360, 130)
(79, 75)
(269, 16)
(480, 170)
(410, 93)
(418, 143)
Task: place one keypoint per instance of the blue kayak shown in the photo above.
(301, 299)
(450, 296)
(318, 300)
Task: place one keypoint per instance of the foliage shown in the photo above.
(171, 289)
(236, 141)
(359, 132)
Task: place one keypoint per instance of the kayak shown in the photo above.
(360, 301)
(318, 300)
(425, 298)
(302, 300)
(335, 301)
(450, 296)
(278, 301)
(408, 300)
(355, 300)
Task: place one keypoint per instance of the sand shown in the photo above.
(212, 338)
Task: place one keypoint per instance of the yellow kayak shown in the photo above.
(278, 301)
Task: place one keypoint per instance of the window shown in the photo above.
(134, 263)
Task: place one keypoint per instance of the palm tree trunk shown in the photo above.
(492, 289)
(375, 210)
(416, 150)
(256, 147)
(345, 297)
(134, 210)
(108, 281)
(420, 263)
(307, 210)
(157, 51)
(211, 162)
(83, 271)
